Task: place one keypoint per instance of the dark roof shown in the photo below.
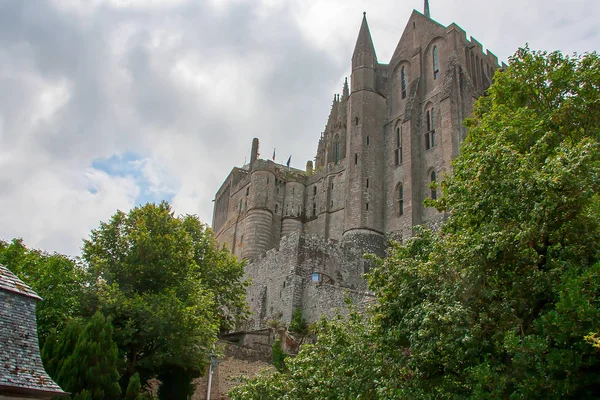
(21, 369)
(10, 282)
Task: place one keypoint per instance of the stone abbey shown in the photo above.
(392, 132)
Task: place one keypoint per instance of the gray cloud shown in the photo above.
(187, 84)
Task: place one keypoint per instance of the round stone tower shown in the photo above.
(259, 219)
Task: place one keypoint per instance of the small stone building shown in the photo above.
(22, 374)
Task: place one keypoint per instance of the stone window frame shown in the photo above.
(436, 61)
(429, 135)
(432, 180)
(399, 191)
(403, 82)
(398, 146)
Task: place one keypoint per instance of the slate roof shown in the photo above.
(9, 281)
(21, 368)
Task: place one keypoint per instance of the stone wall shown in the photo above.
(307, 272)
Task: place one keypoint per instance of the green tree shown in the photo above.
(58, 280)
(495, 304)
(134, 388)
(166, 285)
(83, 359)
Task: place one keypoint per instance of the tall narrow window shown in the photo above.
(355, 158)
(367, 207)
(433, 189)
(314, 209)
(478, 68)
(367, 183)
(428, 117)
(314, 190)
(368, 141)
(473, 70)
(403, 81)
(400, 200)
(436, 62)
(398, 149)
(430, 129)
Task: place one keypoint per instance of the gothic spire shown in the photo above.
(345, 92)
(364, 43)
(427, 13)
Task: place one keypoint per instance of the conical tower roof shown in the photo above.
(364, 43)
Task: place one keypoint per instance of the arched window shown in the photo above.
(473, 70)
(433, 190)
(430, 129)
(398, 149)
(428, 120)
(403, 81)
(436, 62)
(399, 200)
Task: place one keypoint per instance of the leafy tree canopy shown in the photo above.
(58, 280)
(166, 286)
(497, 303)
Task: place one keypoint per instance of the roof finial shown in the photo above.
(427, 13)
(364, 13)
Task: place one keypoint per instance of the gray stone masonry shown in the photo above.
(394, 130)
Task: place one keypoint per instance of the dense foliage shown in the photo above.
(497, 304)
(146, 301)
(57, 279)
(84, 360)
(167, 288)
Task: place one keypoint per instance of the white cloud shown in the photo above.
(187, 84)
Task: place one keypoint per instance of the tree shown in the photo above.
(57, 279)
(497, 297)
(342, 364)
(83, 359)
(497, 303)
(134, 388)
(166, 285)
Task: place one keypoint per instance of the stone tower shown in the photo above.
(364, 145)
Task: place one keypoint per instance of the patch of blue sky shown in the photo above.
(154, 182)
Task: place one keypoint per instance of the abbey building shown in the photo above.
(393, 130)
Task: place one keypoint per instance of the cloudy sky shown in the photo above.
(107, 104)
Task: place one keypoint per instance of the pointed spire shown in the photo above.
(364, 43)
(427, 13)
(345, 91)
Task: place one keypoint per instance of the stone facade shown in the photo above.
(392, 132)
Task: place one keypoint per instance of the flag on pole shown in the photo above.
(288, 161)
(273, 154)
